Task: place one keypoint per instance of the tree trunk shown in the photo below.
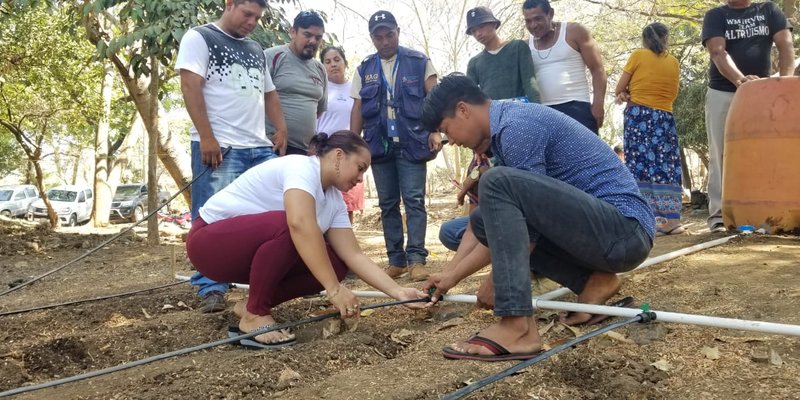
(29, 172)
(174, 158)
(122, 156)
(75, 167)
(51, 213)
(34, 153)
(62, 177)
(687, 177)
(138, 90)
(102, 165)
(152, 152)
(149, 107)
(703, 170)
(52, 216)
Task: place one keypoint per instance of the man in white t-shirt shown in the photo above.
(225, 86)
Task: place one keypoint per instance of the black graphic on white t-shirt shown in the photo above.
(237, 64)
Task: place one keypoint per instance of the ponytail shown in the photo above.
(655, 36)
(322, 143)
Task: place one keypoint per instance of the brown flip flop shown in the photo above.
(499, 353)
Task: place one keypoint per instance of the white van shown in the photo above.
(15, 199)
(73, 204)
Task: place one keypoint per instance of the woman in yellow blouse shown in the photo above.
(649, 84)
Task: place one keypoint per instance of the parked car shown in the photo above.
(15, 199)
(73, 204)
(130, 202)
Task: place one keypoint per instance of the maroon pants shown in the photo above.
(255, 249)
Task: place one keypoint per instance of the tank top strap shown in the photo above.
(562, 33)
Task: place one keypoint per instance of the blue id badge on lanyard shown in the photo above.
(391, 123)
(391, 127)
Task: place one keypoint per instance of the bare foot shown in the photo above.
(599, 288)
(516, 334)
(251, 322)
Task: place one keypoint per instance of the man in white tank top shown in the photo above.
(562, 51)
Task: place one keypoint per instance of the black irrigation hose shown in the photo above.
(643, 317)
(188, 350)
(113, 238)
(69, 303)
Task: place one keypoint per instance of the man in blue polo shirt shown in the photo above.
(557, 203)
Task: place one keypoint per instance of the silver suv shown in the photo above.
(15, 199)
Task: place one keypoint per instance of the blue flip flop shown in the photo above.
(252, 343)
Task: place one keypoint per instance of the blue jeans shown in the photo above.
(234, 163)
(452, 231)
(396, 178)
(580, 111)
(575, 233)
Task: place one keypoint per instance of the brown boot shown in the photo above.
(396, 272)
(418, 272)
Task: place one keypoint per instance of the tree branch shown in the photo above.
(421, 28)
(338, 3)
(695, 19)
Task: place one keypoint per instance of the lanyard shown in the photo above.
(389, 89)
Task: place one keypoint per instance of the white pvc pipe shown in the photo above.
(564, 291)
(663, 316)
(554, 294)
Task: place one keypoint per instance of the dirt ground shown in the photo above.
(394, 353)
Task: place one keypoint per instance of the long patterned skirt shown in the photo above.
(652, 154)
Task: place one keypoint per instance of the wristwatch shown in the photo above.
(475, 174)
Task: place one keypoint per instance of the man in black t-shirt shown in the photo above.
(738, 37)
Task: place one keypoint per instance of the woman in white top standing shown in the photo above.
(282, 227)
(337, 116)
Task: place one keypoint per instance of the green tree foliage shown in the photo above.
(47, 90)
(11, 156)
(48, 78)
(47, 74)
(689, 109)
(141, 38)
(684, 19)
(154, 28)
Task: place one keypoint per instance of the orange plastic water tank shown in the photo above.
(761, 165)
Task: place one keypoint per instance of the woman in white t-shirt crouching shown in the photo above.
(282, 227)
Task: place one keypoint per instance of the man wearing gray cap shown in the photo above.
(388, 89)
(503, 70)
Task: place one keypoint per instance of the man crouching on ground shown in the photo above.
(559, 204)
